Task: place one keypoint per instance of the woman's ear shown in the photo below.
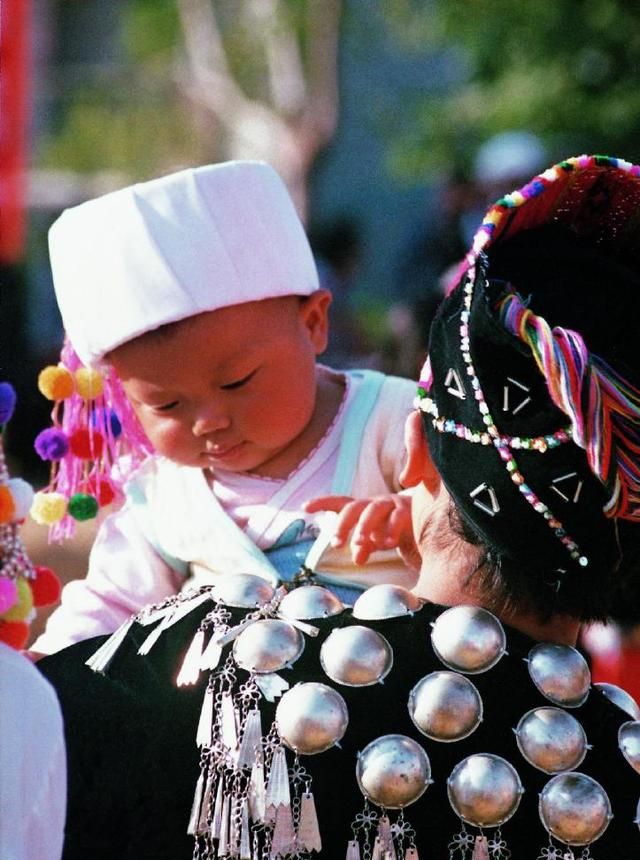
(418, 467)
(314, 313)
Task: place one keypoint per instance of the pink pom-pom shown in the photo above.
(8, 593)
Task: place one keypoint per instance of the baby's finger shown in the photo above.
(347, 519)
(397, 525)
(326, 503)
(360, 552)
(372, 519)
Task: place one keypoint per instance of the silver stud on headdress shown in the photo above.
(453, 384)
(508, 398)
(489, 504)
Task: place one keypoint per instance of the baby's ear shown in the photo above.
(314, 313)
(418, 467)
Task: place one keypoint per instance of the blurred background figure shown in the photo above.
(438, 243)
(338, 252)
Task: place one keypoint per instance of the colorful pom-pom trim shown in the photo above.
(94, 444)
(22, 586)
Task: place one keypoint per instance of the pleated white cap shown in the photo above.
(160, 251)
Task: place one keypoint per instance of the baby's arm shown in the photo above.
(125, 574)
(378, 523)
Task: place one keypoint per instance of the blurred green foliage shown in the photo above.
(568, 70)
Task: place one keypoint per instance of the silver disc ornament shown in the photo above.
(356, 656)
(629, 743)
(561, 674)
(385, 601)
(268, 645)
(621, 698)
(393, 771)
(310, 601)
(574, 808)
(468, 639)
(484, 790)
(551, 740)
(243, 590)
(311, 718)
(445, 706)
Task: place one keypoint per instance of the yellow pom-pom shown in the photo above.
(23, 605)
(55, 382)
(48, 508)
(89, 383)
(7, 504)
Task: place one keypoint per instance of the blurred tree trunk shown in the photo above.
(294, 114)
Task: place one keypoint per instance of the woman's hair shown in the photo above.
(510, 586)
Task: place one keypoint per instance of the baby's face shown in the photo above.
(231, 388)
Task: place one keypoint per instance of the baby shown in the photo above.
(199, 289)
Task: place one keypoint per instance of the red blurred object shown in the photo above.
(15, 21)
(45, 587)
(14, 633)
(86, 445)
(102, 489)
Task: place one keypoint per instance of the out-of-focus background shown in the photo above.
(393, 122)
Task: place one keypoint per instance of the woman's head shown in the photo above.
(534, 434)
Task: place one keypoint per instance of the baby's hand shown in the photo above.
(382, 522)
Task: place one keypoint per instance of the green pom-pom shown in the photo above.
(82, 506)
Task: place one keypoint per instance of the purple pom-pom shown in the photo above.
(7, 401)
(52, 444)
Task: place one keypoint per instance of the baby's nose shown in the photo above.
(209, 420)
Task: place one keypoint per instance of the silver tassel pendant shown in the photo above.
(216, 821)
(245, 832)
(385, 836)
(257, 792)
(228, 724)
(308, 838)
(378, 852)
(480, 849)
(194, 818)
(271, 685)
(211, 654)
(101, 659)
(278, 791)
(234, 823)
(155, 634)
(284, 836)
(223, 842)
(353, 850)
(251, 742)
(190, 669)
(205, 806)
(204, 735)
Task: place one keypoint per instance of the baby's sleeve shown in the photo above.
(125, 573)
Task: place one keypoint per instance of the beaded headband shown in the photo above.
(496, 367)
